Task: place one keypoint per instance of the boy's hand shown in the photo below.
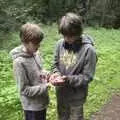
(64, 77)
(56, 79)
(53, 76)
(45, 76)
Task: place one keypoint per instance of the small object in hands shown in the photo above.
(53, 76)
(57, 80)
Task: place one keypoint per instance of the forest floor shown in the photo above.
(110, 111)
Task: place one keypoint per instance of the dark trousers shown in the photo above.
(35, 115)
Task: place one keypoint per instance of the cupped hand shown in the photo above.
(57, 80)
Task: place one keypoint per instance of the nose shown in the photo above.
(37, 47)
(68, 39)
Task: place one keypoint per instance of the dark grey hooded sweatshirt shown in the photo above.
(27, 70)
(79, 67)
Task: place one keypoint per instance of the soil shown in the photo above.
(110, 111)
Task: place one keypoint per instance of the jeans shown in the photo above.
(35, 115)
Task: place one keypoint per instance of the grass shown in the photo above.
(106, 80)
(107, 72)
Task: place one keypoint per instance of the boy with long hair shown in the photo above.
(74, 68)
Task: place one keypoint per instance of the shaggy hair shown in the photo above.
(70, 25)
(31, 33)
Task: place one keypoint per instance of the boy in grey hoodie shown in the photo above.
(28, 72)
(74, 67)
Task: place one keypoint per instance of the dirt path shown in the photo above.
(110, 111)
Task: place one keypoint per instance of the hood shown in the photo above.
(18, 52)
(86, 39)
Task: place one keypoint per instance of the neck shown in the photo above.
(75, 46)
(26, 50)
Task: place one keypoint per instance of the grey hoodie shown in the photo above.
(27, 70)
(79, 67)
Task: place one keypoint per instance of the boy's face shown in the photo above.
(70, 39)
(32, 48)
